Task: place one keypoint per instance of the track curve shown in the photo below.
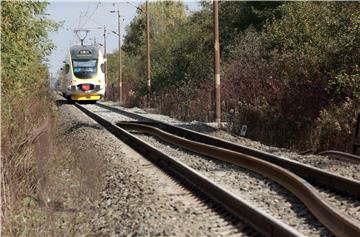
(336, 222)
(308, 172)
(262, 222)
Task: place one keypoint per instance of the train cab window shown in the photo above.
(67, 68)
(85, 68)
(102, 66)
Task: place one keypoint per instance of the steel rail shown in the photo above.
(338, 182)
(340, 155)
(338, 223)
(262, 222)
(344, 184)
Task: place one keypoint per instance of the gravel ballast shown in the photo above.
(260, 191)
(137, 198)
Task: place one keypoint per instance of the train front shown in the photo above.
(85, 74)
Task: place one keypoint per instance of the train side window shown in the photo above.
(67, 68)
(102, 68)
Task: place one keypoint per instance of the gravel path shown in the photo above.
(137, 198)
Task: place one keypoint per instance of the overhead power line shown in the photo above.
(92, 14)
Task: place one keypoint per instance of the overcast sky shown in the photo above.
(90, 14)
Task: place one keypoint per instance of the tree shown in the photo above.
(237, 16)
(165, 18)
(24, 44)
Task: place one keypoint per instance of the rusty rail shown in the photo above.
(340, 155)
(306, 171)
(338, 223)
(262, 222)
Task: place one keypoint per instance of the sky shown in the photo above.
(93, 15)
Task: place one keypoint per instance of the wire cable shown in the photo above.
(92, 14)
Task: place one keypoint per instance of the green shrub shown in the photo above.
(335, 126)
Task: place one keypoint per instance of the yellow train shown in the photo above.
(83, 77)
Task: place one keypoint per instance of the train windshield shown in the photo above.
(85, 68)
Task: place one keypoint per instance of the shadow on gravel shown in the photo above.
(82, 125)
(61, 102)
(86, 102)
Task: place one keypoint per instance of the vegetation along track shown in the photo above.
(339, 224)
(262, 222)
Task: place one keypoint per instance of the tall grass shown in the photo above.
(47, 184)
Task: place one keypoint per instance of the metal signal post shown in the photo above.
(217, 63)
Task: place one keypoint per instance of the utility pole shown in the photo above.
(105, 61)
(148, 52)
(217, 62)
(119, 56)
(120, 71)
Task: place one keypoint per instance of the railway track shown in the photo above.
(263, 223)
(304, 191)
(340, 155)
(312, 174)
(222, 222)
(339, 224)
